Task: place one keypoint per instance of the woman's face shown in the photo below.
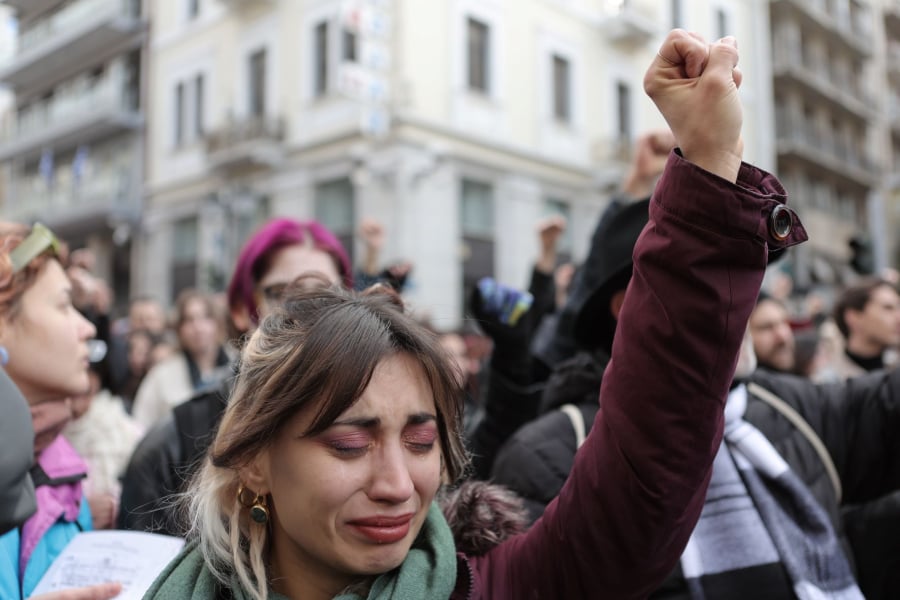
(349, 502)
(47, 340)
(198, 332)
(288, 264)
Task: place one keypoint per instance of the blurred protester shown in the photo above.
(564, 343)
(454, 345)
(273, 257)
(44, 341)
(146, 315)
(17, 497)
(395, 275)
(536, 460)
(868, 316)
(104, 436)
(201, 362)
(144, 350)
(93, 297)
(809, 356)
(550, 281)
(773, 338)
(651, 152)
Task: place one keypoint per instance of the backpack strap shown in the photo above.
(577, 419)
(800, 423)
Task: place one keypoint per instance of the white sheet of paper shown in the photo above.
(132, 558)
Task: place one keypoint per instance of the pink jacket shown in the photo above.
(59, 460)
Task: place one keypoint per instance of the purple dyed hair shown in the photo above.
(262, 245)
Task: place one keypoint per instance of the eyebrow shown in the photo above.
(373, 422)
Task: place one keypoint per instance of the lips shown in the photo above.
(383, 529)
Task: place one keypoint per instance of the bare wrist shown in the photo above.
(726, 165)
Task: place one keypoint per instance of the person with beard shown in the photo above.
(773, 338)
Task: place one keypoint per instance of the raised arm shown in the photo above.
(638, 483)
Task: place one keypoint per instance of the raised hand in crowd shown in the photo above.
(550, 230)
(651, 151)
(372, 234)
(695, 86)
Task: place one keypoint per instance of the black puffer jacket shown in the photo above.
(536, 460)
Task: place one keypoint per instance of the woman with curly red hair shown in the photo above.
(44, 350)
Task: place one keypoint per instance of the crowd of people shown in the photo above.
(667, 419)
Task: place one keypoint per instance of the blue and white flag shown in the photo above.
(45, 167)
(79, 163)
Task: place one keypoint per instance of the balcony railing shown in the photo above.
(848, 95)
(632, 23)
(27, 8)
(104, 188)
(59, 45)
(77, 115)
(247, 141)
(831, 153)
(73, 17)
(851, 28)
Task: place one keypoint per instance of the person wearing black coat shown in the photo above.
(536, 460)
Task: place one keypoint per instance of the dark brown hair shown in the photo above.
(856, 298)
(320, 348)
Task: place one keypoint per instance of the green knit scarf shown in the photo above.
(429, 571)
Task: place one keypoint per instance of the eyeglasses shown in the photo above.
(274, 293)
(39, 240)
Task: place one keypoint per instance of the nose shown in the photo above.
(783, 333)
(86, 328)
(390, 478)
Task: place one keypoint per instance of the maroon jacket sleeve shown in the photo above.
(638, 483)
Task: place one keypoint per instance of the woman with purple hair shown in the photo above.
(278, 253)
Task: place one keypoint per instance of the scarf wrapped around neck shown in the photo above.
(762, 534)
(429, 571)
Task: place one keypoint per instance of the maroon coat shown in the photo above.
(637, 487)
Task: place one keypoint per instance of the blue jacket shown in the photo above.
(50, 546)
(62, 512)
